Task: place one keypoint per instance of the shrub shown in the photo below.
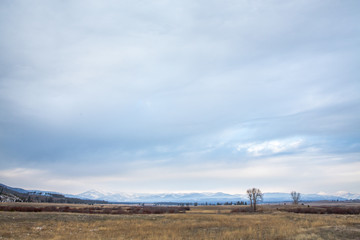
(98, 210)
(324, 210)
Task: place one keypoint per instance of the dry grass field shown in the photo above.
(203, 222)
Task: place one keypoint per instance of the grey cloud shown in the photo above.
(132, 81)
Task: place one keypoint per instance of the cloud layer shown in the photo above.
(180, 96)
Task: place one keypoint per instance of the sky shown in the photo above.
(180, 96)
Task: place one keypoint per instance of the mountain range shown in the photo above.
(188, 197)
(209, 197)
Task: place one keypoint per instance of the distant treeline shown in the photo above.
(201, 203)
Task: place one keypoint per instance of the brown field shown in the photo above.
(202, 222)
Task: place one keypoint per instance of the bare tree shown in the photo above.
(254, 195)
(295, 197)
(250, 196)
(257, 195)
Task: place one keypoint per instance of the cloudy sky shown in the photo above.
(180, 96)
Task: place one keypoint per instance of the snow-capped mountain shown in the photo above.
(162, 197)
(92, 194)
(347, 195)
(205, 197)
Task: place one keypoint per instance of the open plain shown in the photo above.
(202, 222)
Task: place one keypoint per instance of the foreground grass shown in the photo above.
(200, 223)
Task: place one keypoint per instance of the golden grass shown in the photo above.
(211, 222)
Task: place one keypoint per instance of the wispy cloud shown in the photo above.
(271, 147)
(21, 172)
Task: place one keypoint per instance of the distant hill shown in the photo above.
(94, 196)
(10, 194)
